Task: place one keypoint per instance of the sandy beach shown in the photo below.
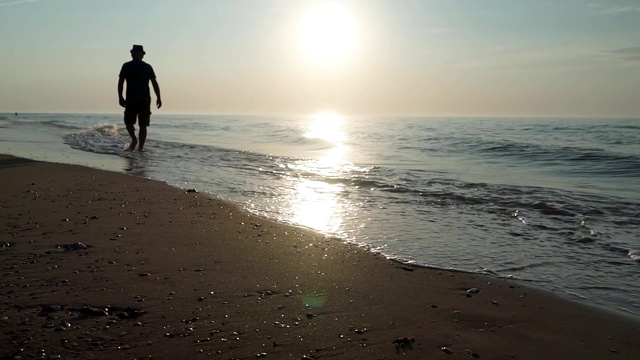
(101, 265)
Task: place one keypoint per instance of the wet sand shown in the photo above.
(100, 265)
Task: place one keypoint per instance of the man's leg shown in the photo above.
(142, 135)
(144, 118)
(132, 132)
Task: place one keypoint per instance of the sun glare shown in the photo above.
(326, 126)
(327, 33)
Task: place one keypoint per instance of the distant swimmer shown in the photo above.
(16, 114)
(137, 103)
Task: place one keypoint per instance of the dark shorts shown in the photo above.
(138, 108)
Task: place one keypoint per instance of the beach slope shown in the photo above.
(100, 265)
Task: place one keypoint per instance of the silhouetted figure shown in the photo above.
(137, 104)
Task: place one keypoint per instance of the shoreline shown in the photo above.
(168, 273)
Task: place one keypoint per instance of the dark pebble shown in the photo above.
(75, 246)
(130, 313)
(446, 350)
(92, 311)
(51, 308)
(403, 341)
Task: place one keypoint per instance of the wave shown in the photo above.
(578, 160)
(416, 185)
(311, 143)
(54, 124)
(100, 139)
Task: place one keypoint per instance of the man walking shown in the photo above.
(137, 104)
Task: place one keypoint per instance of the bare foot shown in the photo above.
(140, 149)
(133, 145)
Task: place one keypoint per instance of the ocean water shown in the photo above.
(551, 202)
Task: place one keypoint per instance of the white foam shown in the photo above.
(102, 138)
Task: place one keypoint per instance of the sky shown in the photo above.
(353, 57)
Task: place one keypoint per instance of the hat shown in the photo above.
(138, 48)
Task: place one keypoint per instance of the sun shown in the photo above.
(327, 33)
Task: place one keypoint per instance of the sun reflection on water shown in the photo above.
(315, 200)
(315, 205)
(326, 126)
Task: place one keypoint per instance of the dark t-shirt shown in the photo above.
(137, 73)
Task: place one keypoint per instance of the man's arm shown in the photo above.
(156, 89)
(121, 99)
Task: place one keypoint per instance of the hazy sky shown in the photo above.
(430, 57)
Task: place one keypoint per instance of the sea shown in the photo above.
(553, 203)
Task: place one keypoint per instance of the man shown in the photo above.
(137, 104)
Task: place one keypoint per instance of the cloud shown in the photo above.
(622, 9)
(631, 53)
(16, 2)
(605, 9)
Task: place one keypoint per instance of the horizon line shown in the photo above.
(573, 116)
